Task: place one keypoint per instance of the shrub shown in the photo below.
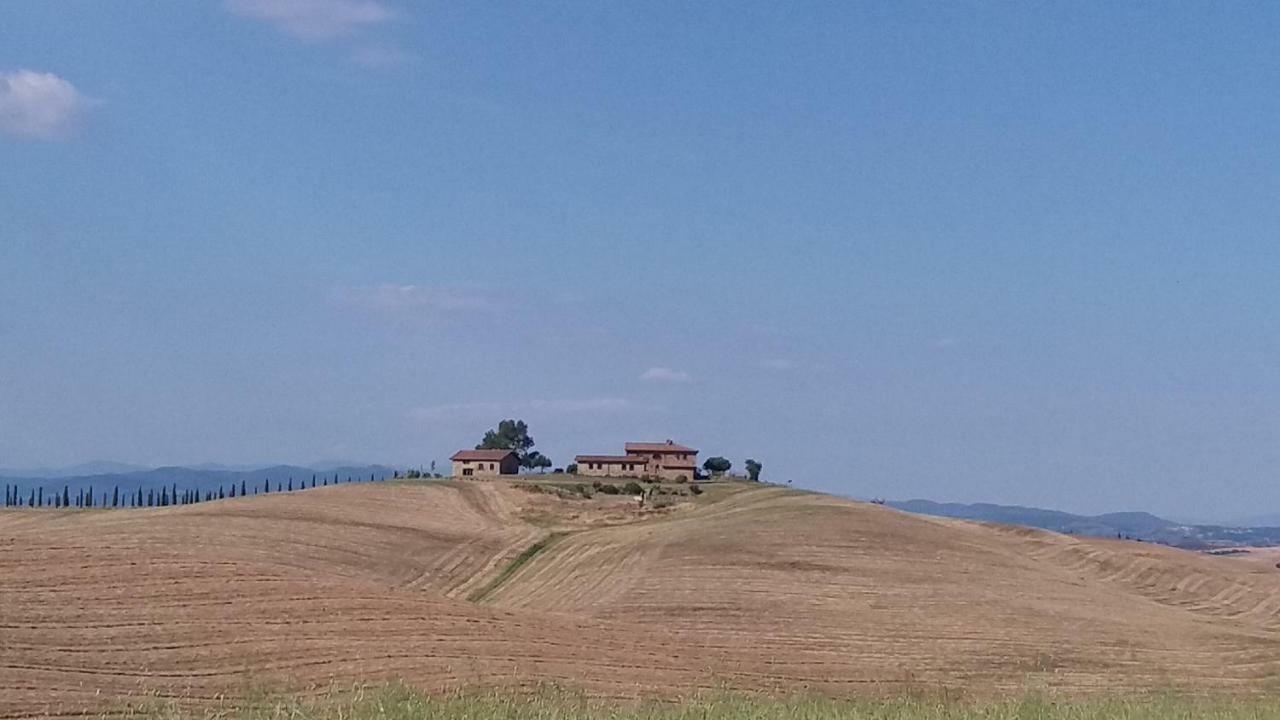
(633, 488)
(695, 489)
(571, 468)
(596, 484)
(682, 478)
(608, 489)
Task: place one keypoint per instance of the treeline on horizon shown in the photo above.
(15, 496)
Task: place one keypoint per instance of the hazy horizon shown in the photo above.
(1014, 254)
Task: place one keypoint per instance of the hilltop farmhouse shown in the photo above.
(472, 463)
(667, 461)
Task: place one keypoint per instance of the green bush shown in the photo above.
(633, 488)
(608, 489)
(695, 489)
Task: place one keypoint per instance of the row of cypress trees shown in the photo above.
(164, 497)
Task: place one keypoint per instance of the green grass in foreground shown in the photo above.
(403, 704)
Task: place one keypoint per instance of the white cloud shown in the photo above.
(314, 20)
(38, 106)
(392, 297)
(536, 408)
(662, 374)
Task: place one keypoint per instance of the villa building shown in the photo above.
(664, 461)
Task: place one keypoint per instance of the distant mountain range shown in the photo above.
(98, 467)
(202, 478)
(1132, 525)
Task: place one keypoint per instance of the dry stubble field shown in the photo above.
(751, 588)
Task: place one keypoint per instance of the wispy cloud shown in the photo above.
(664, 374)
(536, 408)
(315, 20)
(391, 297)
(38, 106)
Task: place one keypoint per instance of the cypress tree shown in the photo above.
(313, 480)
(290, 484)
(277, 486)
(242, 492)
(40, 495)
(233, 489)
(66, 497)
(220, 493)
(32, 501)
(266, 486)
(151, 497)
(326, 482)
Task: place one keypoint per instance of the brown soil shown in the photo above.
(754, 588)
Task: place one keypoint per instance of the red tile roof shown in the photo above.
(610, 459)
(481, 455)
(652, 447)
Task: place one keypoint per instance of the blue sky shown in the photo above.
(1022, 253)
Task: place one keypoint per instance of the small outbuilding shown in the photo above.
(475, 463)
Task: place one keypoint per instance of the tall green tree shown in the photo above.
(511, 435)
(753, 470)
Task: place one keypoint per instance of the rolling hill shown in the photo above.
(748, 587)
(1129, 525)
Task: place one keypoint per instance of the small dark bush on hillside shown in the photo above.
(608, 489)
(596, 484)
(695, 489)
(633, 488)
(682, 479)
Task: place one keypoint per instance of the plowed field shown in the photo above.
(754, 588)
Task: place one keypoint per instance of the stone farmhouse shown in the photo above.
(473, 463)
(665, 461)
